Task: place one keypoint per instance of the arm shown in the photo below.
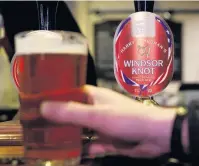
(189, 134)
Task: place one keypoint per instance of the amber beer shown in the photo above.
(49, 65)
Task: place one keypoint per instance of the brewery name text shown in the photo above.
(151, 42)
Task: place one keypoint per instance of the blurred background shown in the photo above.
(98, 21)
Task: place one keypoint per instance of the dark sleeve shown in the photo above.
(193, 121)
(22, 16)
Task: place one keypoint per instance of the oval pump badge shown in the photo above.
(143, 54)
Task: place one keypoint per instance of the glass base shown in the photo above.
(41, 162)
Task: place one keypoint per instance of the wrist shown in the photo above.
(179, 135)
(161, 127)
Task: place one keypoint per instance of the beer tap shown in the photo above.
(148, 6)
(140, 41)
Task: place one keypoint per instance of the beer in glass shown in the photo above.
(49, 66)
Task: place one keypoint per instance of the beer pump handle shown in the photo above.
(144, 5)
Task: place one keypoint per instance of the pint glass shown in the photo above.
(49, 66)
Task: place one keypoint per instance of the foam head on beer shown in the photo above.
(43, 41)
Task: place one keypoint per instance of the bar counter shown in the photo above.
(11, 143)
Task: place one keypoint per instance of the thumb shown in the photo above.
(90, 116)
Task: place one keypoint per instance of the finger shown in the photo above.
(100, 149)
(72, 112)
(95, 149)
(142, 151)
(103, 95)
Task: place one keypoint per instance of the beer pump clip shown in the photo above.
(143, 53)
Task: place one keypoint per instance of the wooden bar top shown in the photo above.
(11, 142)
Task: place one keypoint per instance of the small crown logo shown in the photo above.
(144, 50)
